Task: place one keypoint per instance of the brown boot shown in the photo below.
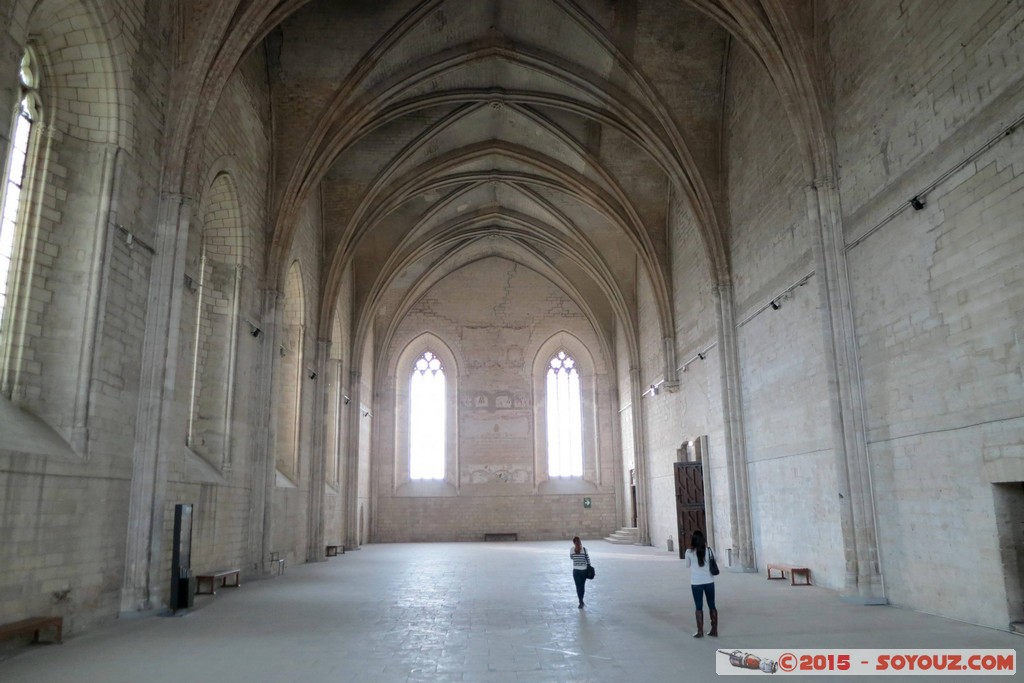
(714, 624)
(700, 625)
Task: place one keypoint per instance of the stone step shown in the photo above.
(625, 536)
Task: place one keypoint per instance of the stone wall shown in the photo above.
(216, 477)
(787, 425)
(499, 483)
(71, 375)
(922, 100)
(937, 293)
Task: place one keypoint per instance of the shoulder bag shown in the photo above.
(712, 565)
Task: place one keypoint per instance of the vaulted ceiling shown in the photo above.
(548, 132)
(559, 134)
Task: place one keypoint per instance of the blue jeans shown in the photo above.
(580, 577)
(699, 591)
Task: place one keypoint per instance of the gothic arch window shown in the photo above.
(14, 197)
(216, 281)
(567, 414)
(424, 377)
(60, 237)
(564, 423)
(427, 407)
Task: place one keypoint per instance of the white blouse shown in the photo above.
(699, 575)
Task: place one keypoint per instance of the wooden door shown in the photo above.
(689, 502)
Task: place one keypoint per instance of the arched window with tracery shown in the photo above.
(564, 423)
(17, 165)
(427, 418)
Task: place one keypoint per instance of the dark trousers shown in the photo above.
(699, 591)
(580, 577)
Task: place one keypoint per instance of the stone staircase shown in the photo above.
(627, 535)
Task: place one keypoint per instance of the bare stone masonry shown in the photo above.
(789, 232)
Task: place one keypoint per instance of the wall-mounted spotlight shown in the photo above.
(366, 413)
(254, 329)
(311, 373)
(917, 203)
(776, 305)
(346, 399)
(192, 285)
(701, 355)
(282, 351)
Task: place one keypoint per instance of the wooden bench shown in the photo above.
(34, 625)
(210, 579)
(793, 573)
(506, 536)
(332, 550)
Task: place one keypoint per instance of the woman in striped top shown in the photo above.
(580, 562)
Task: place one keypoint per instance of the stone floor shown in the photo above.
(479, 612)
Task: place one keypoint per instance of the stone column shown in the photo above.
(337, 444)
(863, 582)
(640, 457)
(351, 460)
(156, 433)
(732, 418)
(315, 551)
(263, 462)
(671, 370)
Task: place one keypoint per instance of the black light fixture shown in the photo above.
(917, 203)
(776, 305)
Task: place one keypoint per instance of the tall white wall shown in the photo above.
(937, 293)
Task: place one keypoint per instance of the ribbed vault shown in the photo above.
(452, 121)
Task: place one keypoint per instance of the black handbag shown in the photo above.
(712, 565)
(590, 571)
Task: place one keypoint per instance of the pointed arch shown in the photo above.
(403, 369)
(586, 369)
(69, 160)
(216, 283)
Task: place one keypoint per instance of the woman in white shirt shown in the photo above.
(580, 562)
(702, 583)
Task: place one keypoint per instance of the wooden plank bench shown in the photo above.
(34, 625)
(332, 550)
(209, 579)
(794, 572)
